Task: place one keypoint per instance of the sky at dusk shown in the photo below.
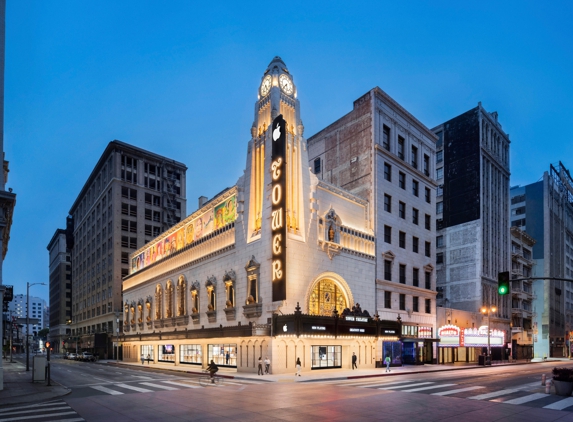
(180, 78)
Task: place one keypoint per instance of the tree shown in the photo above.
(44, 333)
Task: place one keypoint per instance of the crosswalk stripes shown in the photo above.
(457, 390)
(494, 394)
(50, 411)
(392, 387)
(149, 387)
(431, 387)
(525, 399)
(561, 404)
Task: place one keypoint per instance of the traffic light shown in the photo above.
(47, 345)
(503, 283)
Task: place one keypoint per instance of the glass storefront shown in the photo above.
(222, 354)
(394, 350)
(147, 352)
(166, 353)
(191, 354)
(326, 357)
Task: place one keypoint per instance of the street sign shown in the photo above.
(32, 321)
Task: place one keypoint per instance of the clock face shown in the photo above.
(266, 85)
(286, 84)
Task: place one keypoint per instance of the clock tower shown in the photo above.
(277, 95)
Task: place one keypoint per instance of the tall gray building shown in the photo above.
(59, 250)
(544, 209)
(7, 198)
(131, 196)
(472, 210)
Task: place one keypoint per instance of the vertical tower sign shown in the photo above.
(278, 208)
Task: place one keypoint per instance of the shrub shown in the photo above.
(563, 374)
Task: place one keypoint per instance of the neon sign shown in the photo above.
(278, 208)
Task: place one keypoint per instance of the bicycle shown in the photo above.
(207, 381)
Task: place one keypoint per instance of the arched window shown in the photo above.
(158, 302)
(169, 299)
(126, 319)
(327, 296)
(210, 285)
(181, 296)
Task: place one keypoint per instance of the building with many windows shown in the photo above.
(59, 250)
(384, 155)
(521, 294)
(544, 209)
(472, 211)
(130, 197)
(7, 197)
(282, 264)
(36, 312)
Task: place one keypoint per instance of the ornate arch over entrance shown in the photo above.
(328, 292)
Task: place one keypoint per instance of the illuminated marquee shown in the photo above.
(450, 336)
(278, 208)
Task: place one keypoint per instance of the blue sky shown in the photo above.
(180, 78)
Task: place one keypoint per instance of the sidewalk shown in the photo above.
(19, 388)
(321, 375)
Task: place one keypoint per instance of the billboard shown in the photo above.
(223, 213)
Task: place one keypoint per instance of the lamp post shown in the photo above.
(116, 336)
(28, 322)
(487, 310)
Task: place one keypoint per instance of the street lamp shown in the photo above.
(116, 336)
(488, 310)
(28, 322)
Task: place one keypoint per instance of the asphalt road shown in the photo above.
(520, 385)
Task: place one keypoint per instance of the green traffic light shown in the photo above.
(502, 290)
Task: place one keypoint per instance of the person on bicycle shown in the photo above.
(212, 368)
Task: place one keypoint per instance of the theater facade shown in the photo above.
(281, 265)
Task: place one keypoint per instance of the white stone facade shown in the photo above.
(329, 240)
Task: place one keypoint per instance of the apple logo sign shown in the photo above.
(277, 132)
(285, 329)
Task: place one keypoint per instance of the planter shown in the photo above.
(563, 388)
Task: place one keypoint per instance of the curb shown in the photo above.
(181, 372)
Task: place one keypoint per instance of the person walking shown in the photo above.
(387, 361)
(227, 358)
(260, 366)
(267, 365)
(142, 358)
(148, 359)
(354, 366)
(298, 366)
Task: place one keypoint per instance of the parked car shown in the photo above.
(72, 356)
(87, 357)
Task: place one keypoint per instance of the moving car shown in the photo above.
(87, 357)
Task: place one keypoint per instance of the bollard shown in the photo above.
(543, 378)
(547, 387)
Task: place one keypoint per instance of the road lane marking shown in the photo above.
(561, 404)
(407, 385)
(106, 390)
(494, 394)
(181, 384)
(134, 388)
(372, 384)
(142, 377)
(526, 399)
(34, 410)
(459, 390)
(37, 416)
(149, 384)
(413, 390)
(58, 403)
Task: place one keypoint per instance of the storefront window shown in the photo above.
(191, 354)
(147, 352)
(166, 353)
(326, 297)
(223, 354)
(394, 350)
(326, 357)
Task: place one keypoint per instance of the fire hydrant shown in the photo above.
(547, 387)
(543, 378)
